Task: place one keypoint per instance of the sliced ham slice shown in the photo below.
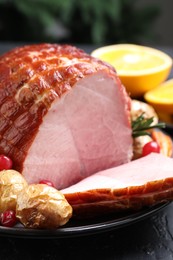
(144, 182)
(64, 115)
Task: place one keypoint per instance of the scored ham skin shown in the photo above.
(64, 115)
(144, 182)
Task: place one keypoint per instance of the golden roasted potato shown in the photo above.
(138, 144)
(42, 206)
(11, 184)
(139, 107)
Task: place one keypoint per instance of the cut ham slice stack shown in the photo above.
(132, 186)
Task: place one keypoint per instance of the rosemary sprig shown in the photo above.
(141, 124)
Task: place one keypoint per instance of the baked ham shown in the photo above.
(141, 183)
(64, 115)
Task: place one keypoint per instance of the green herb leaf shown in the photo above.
(142, 124)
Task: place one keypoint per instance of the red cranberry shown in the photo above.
(150, 147)
(49, 183)
(5, 162)
(8, 218)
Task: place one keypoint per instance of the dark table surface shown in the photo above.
(149, 238)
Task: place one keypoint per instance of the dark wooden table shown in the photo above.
(149, 238)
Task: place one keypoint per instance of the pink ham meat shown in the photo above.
(132, 186)
(64, 115)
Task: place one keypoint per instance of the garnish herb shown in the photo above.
(141, 124)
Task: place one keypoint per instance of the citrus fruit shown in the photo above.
(161, 97)
(140, 68)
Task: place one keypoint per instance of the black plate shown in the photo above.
(81, 228)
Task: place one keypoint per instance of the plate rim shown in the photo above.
(83, 230)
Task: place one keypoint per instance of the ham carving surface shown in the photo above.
(144, 182)
(64, 115)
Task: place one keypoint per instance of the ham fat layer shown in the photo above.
(64, 115)
(144, 182)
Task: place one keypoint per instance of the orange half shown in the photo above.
(161, 97)
(140, 68)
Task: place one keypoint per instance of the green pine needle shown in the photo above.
(142, 124)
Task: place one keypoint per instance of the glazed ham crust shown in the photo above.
(32, 78)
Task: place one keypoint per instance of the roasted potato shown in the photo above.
(139, 107)
(11, 184)
(42, 206)
(138, 144)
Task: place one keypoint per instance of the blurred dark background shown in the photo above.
(87, 21)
